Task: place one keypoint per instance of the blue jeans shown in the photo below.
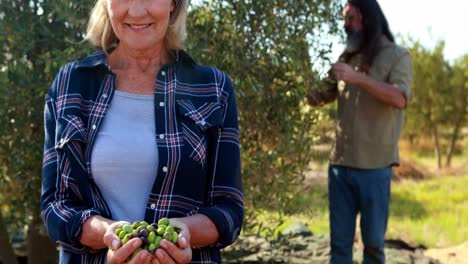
(352, 191)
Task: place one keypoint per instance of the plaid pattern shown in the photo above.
(198, 144)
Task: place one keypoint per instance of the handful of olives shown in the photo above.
(150, 234)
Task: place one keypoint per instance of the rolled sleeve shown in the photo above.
(401, 74)
(227, 226)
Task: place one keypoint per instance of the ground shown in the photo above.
(451, 255)
(409, 168)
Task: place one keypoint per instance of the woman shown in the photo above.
(139, 131)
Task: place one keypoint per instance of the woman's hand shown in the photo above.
(119, 253)
(170, 253)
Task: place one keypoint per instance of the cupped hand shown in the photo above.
(171, 253)
(119, 253)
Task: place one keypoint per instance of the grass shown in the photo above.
(432, 212)
(311, 209)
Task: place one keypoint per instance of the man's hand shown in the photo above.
(384, 92)
(314, 99)
(346, 73)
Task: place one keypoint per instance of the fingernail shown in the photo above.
(136, 243)
(114, 244)
(183, 240)
(163, 243)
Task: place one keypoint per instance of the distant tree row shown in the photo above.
(439, 106)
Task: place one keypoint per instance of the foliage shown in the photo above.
(430, 72)
(440, 97)
(35, 40)
(264, 47)
(457, 107)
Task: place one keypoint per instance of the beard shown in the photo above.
(354, 40)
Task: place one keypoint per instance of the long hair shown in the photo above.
(101, 35)
(374, 26)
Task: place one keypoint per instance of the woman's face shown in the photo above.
(140, 24)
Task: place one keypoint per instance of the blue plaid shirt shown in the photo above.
(198, 144)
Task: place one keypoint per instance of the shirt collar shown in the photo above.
(98, 58)
(384, 41)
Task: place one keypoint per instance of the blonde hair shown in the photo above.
(101, 35)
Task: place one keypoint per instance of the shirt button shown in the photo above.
(164, 169)
(94, 126)
(161, 136)
(153, 206)
(62, 140)
(104, 95)
(161, 104)
(202, 122)
(163, 73)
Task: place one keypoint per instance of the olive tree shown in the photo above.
(269, 49)
(36, 38)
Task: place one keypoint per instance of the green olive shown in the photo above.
(139, 228)
(126, 238)
(151, 236)
(151, 247)
(128, 228)
(168, 236)
(151, 228)
(175, 237)
(161, 230)
(170, 228)
(118, 230)
(163, 221)
(122, 234)
(157, 240)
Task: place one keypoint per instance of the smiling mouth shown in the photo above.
(139, 26)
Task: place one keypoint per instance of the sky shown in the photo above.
(430, 21)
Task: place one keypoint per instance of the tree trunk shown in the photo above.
(435, 136)
(7, 255)
(453, 141)
(41, 250)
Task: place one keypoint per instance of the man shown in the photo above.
(371, 82)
